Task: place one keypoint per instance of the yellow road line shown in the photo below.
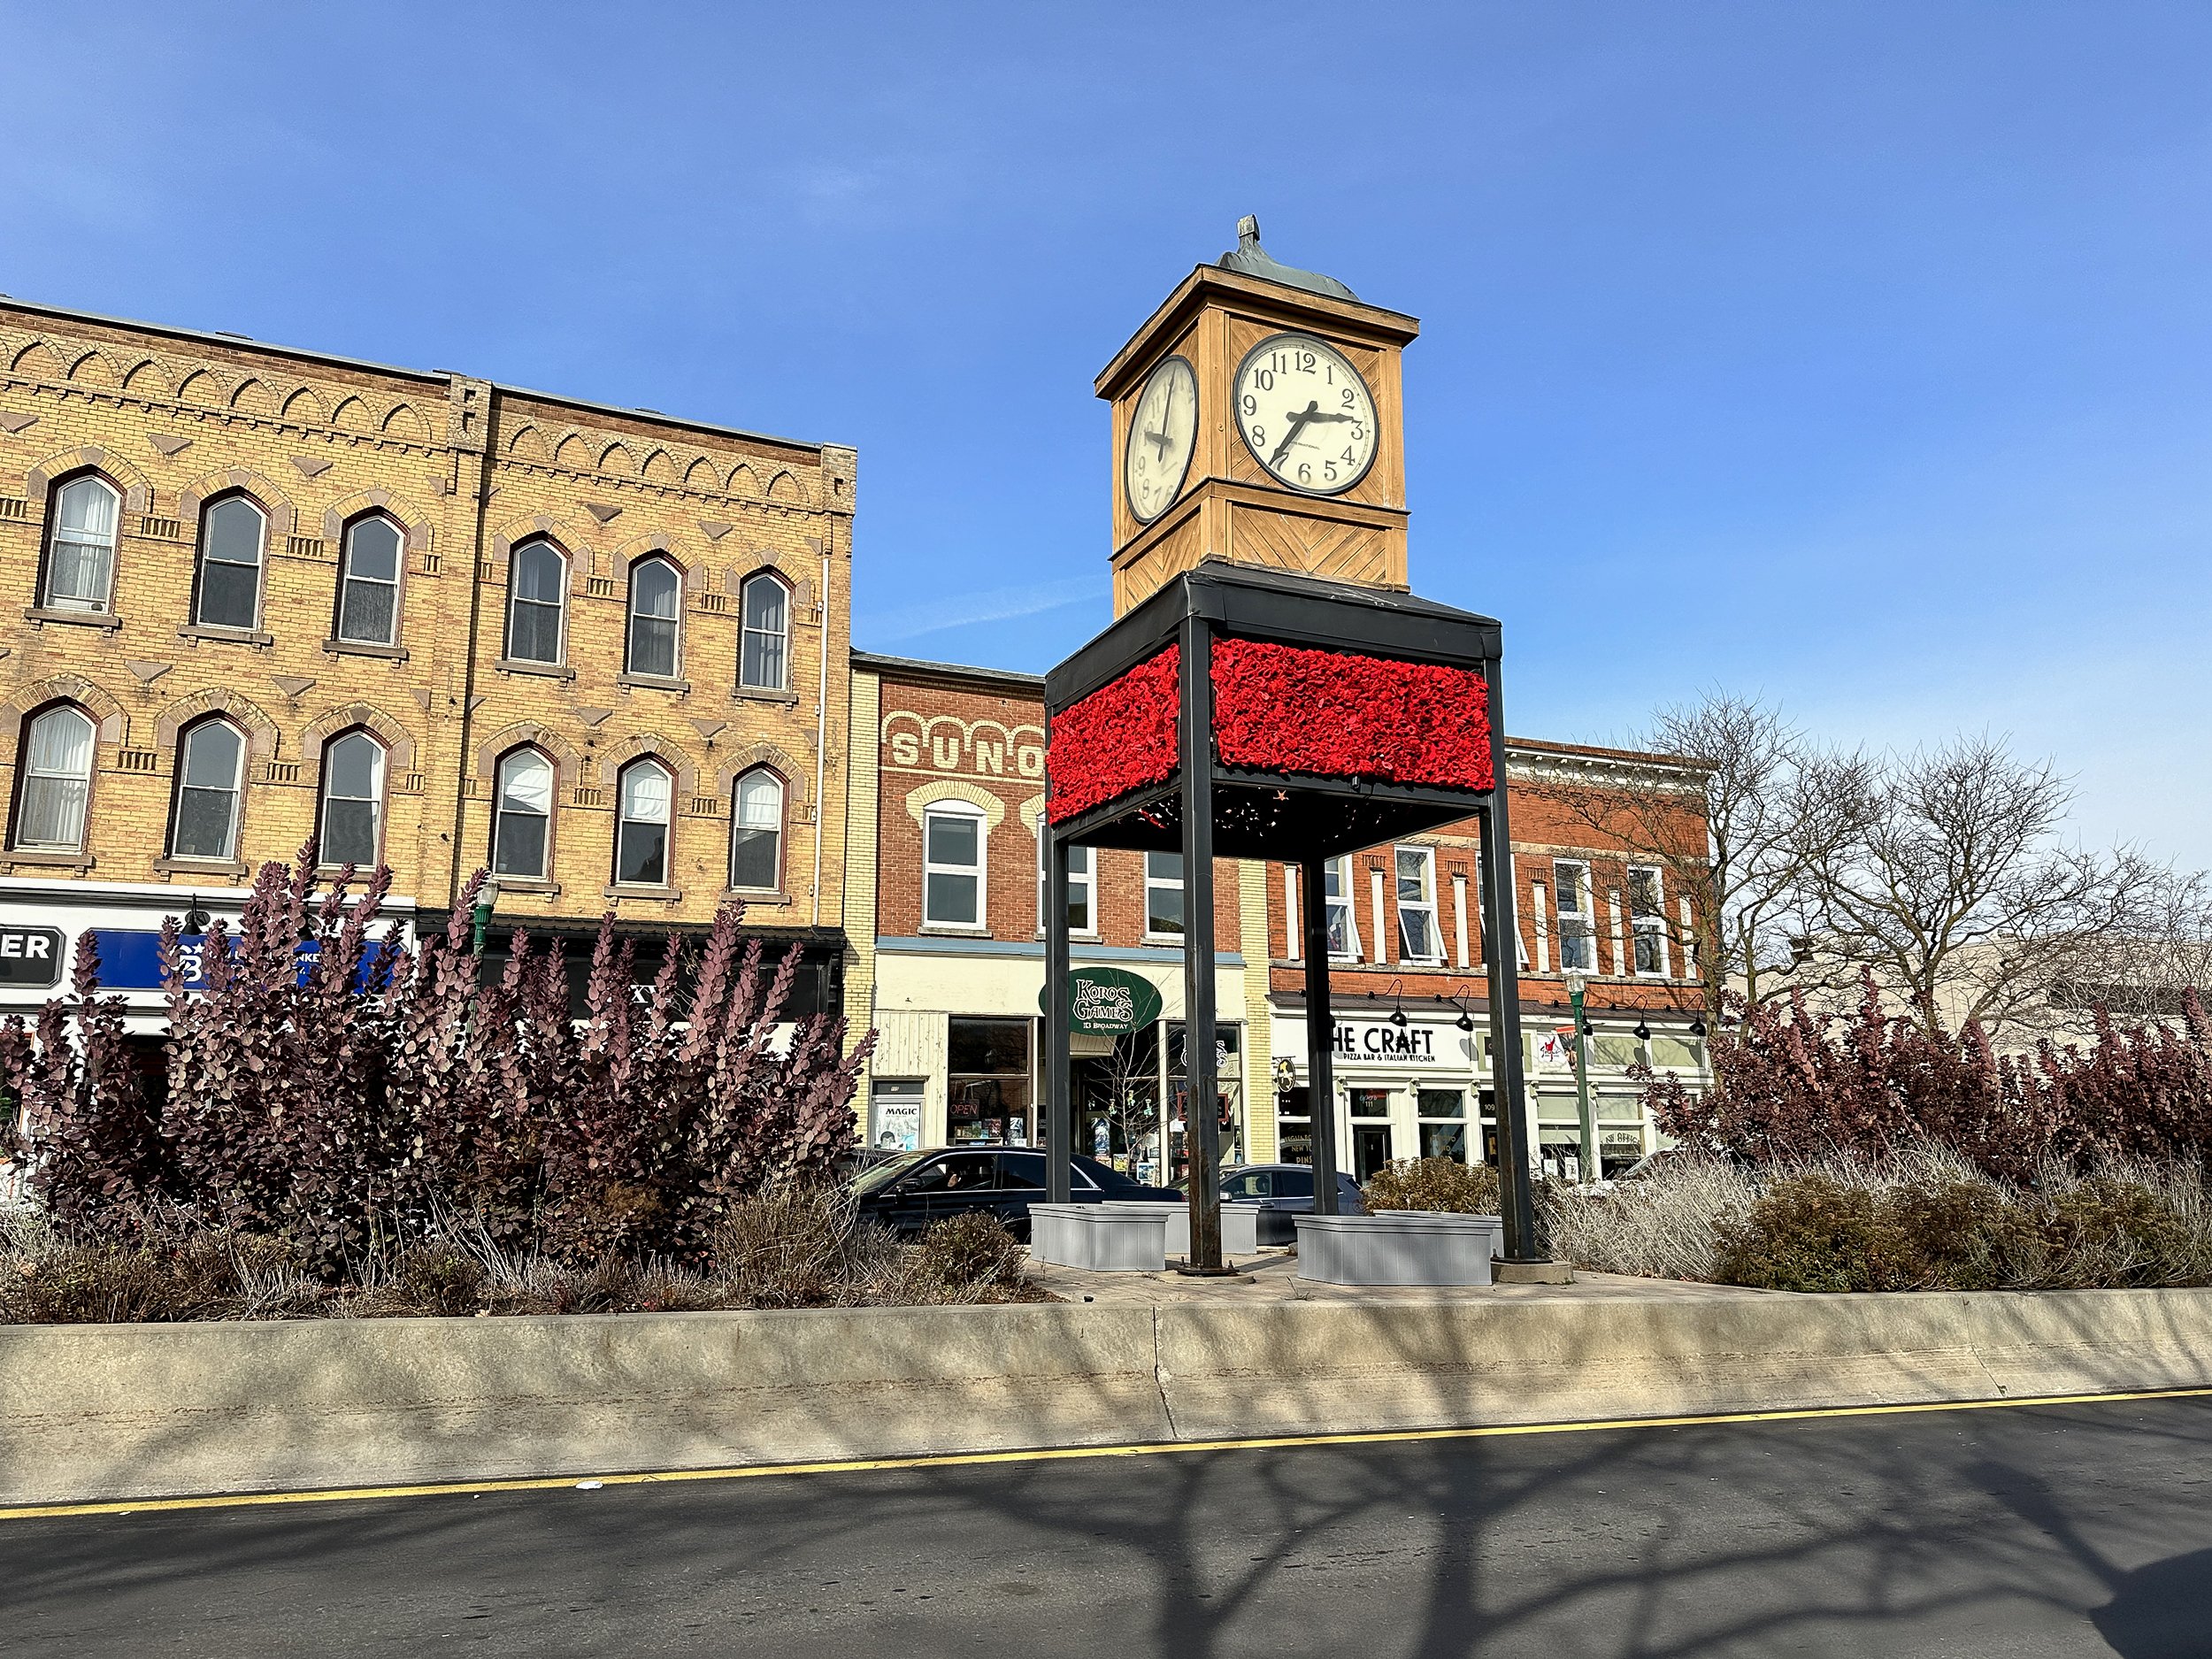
(955, 1459)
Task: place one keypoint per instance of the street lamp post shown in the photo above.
(480, 918)
(1590, 1165)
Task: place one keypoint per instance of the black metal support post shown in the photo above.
(1202, 1104)
(1320, 1034)
(1057, 1119)
(1523, 1231)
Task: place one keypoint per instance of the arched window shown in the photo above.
(522, 815)
(231, 533)
(211, 764)
(656, 595)
(353, 800)
(537, 593)
(368, 585)
(764, 658)
(641, 846)
(80, 548)
(57, 768)
(756, 831)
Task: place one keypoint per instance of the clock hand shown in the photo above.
(1336, 417)
(1298, 420)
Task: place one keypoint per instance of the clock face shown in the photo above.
(1162, 431)
(1305, 413)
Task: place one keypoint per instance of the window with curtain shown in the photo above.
(952, 867)
(368, 586)
(764, 659)
(522, 815)
(57, 782)
(231, 534)
(537, 591)
(1164, 894)
(81, 551)
(655, 591)
(648, 798)
(1078, 885)
(353, 800)
(210, 769)
(756, 832)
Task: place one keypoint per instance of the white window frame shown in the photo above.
(379, 784)
(35, 774)
(203, 556)
(622, 818)
(980, 870)
(1340, 870)
(1653, 925)
(105, 604)
(1178, 884)
(347, 579)
(781, 828)
(560, 627)
(631, 617)
(1086, 879)
(745, 631)
(1425, 856)
(186, 739)
(1585, 913)
(500, 814)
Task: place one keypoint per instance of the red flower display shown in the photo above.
(1120, 738)
(1283, 709)
(1277, 708)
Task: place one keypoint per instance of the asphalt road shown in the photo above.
(2033, 1530)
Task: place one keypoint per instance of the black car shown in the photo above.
(1280, 1191)
(916, 1188)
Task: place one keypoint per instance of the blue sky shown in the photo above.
(1859, 356)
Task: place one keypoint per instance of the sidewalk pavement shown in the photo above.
(1271, 1276)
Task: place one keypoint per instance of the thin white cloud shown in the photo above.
(993, 605)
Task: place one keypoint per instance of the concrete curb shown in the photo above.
(95, 1413)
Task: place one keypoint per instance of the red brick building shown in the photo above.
(954, 787)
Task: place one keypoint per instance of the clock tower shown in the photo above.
(1257, 418)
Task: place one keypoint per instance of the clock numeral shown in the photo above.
(1259, 435)
(1346, 458)
(1358, 432)
(1328, 471)
(1305, 473)
(1251, 405)
(1350, 402)
(1265, 379)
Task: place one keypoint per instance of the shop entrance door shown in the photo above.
(1370, 1112)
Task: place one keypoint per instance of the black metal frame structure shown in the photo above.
(1206, 810)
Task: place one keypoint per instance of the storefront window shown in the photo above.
(1443, 1113)
(1117, 1102)
(1228, 1082)
(988, 1074)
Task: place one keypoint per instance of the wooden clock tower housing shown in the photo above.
(1230, 507)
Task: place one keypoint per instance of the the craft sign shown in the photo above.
(1415, 1045)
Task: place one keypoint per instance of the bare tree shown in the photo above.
(1944, 870)
(1721, 806)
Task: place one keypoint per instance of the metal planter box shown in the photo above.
(1398, 1246)
(1102, 1238)
(1240, 1224)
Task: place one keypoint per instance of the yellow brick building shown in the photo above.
(256, 593)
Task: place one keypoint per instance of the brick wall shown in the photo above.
(466, 470)
(981, 740)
